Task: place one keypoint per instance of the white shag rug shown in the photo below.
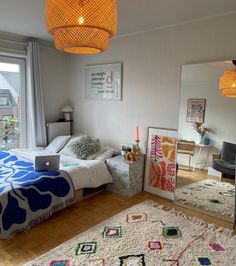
(146, 234)
(209, 194)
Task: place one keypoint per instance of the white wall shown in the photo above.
(151, 78)
(55, 82)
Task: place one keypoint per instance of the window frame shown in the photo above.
(21, 61)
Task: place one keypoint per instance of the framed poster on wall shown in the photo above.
(160, 172)
(103, 82)
(196, 110)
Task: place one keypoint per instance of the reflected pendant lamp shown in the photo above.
(228, 83)
(81, 26)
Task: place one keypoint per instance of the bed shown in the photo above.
(28, 197)
(84, 173)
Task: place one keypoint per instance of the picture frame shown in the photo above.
(160, 170)
(196, 110)
(104, 82)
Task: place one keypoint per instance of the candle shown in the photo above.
(137, 133)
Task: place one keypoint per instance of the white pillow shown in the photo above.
(58, 143)
(115, 152)
(105, 155)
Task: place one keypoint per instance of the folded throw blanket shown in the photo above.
(28, 197)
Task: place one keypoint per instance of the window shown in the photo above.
(12, 102)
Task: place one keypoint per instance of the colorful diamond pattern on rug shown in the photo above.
(171, 232)
(112, 232)
(155, 245)
(216, 247)
(132, 260)
(136, 217)
(60, 263)
(86, 248)
(204, 261)
(195, 247)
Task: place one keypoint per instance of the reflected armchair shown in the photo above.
(226, 164)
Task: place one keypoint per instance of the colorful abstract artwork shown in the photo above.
(163, 168)
(196, 110)
(161, 164)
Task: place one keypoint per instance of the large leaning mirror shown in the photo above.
(206, 141)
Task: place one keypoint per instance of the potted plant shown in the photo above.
(201, 130)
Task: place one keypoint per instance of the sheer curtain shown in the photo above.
(35, 120)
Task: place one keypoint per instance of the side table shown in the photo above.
(127, 176)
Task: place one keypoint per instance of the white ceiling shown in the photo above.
(26, 17)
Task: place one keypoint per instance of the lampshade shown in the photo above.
(81, 26)
(228, 82)
(66, 109)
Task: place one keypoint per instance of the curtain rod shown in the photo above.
(25, 44)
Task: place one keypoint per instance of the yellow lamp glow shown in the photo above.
(81, 26)
(228, 83)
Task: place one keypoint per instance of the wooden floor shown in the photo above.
(74, 220)
(186, 177)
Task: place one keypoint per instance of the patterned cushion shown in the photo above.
(66, 150)
(84, 146)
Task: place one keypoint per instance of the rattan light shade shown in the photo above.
(81, 26)
(228, 84)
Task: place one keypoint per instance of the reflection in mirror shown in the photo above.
(207, 142)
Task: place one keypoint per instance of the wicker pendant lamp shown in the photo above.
(81, 26)
(228, 83)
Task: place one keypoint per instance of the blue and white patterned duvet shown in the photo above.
(26, 196)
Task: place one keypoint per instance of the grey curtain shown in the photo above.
(35, 120)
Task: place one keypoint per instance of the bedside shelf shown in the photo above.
(127, 176)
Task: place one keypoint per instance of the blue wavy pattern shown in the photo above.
(26, 195)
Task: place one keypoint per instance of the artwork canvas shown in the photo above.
(160, 172)
(196, 110)
(103, 82)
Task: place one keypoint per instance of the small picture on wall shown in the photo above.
(196, 110)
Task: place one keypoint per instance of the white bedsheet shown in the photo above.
(84, 173)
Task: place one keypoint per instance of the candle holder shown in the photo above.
(137, 149)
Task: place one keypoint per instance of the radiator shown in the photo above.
(58, 129)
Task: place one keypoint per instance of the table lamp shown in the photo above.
(67, 110)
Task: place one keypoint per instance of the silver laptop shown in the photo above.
(47, 163)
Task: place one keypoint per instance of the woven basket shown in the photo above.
(81, 26)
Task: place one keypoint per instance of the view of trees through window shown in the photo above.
(10, 85)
